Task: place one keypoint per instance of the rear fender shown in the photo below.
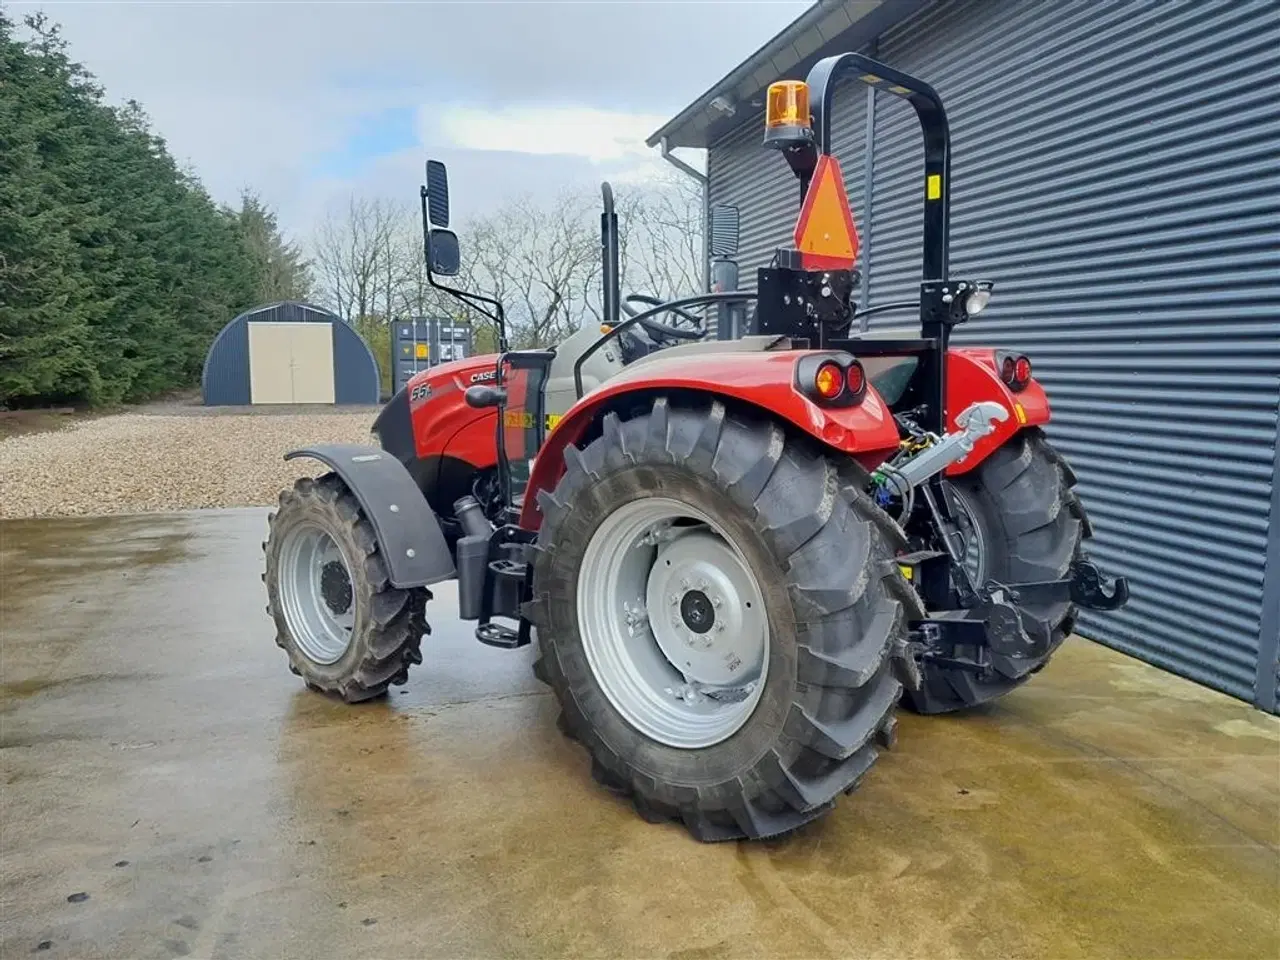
(763, 381)
(409, 536)
(972, 377)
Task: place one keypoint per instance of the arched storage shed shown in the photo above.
(289, 353)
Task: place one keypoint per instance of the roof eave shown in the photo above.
(829, 26)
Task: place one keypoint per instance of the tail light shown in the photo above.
(1015, 370)
(831, 380)
(855, 378)
(828, 382)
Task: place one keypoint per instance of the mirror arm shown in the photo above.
(472, 300)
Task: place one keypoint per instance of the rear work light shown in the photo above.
(831, 379)
(1015, 370)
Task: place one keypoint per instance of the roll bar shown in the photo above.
(730, 296)
(933, 122)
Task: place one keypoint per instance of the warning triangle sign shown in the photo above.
(825, 235)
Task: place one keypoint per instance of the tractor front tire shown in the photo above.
(791, 528)
(346, 630)
(1030, 526)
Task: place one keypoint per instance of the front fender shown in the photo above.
(972, 376)
(409, 536)
(763, 381)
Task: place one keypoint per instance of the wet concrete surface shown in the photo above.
(170, 789)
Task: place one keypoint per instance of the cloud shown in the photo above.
(309, 102)
(581, 131)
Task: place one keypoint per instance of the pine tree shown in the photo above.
(284, 273)
(116, 267)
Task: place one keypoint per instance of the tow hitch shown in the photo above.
(994, 625)
(1085, 585)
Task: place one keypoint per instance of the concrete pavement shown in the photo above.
(170, 789)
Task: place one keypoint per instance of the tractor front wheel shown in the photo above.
(346, 630)
(1021, 522)
(719, 615)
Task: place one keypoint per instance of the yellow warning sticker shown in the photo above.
(518, 420)
(422, 351)
(907, 572)
(933, 186)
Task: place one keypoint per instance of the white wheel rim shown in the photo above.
(316, 595)
(673, 623)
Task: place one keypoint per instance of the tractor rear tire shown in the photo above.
(349, 633)
(834, 624)
(1031, 525)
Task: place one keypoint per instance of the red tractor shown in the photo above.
(736, 556)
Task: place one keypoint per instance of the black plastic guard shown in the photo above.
(409, 535)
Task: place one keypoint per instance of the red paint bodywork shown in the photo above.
(866, 432)
(972, 376)
(443, 424)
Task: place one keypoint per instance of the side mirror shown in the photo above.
(442, 252)
(438, 193)
(724, 230)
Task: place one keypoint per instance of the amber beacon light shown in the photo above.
(786, 115)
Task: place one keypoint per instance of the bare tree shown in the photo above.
(541, 260)
(665, 230)
(538, 261)
(353, 259)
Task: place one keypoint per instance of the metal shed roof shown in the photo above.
(829, 26)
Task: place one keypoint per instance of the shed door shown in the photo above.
(270, 359)
(312, 363)
(291, 362)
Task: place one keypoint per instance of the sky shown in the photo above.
(311, 102)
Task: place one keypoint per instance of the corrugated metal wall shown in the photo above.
(1115, 170)
(225, 380)
(355, 372)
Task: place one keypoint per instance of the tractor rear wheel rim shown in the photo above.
(975, 547)
(673, 623)
(316, 594)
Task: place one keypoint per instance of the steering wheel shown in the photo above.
(661, 330)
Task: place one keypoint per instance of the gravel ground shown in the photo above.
(142, 462)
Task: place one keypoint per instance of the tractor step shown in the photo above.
(496, 635)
